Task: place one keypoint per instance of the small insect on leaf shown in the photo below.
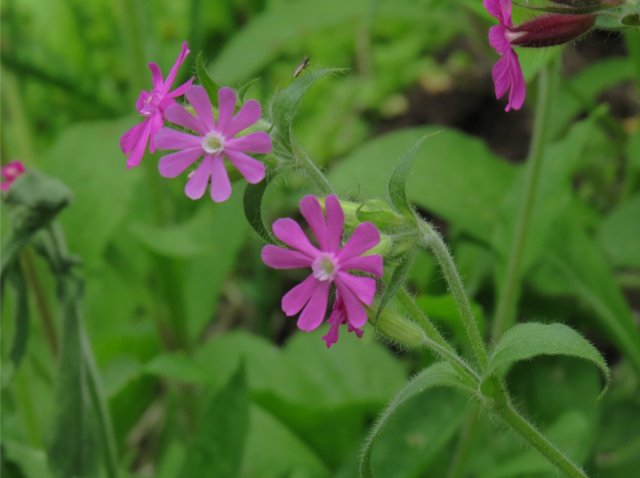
(301, 66)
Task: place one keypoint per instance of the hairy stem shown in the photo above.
(529, 433)
(433, 241)
(314, 172)
(509, 292)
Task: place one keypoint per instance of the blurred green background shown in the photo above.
(176, 296)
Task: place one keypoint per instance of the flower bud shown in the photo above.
(550, 30)
(378, 212)
(398, 328)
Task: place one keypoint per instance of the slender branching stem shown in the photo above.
(509, 292)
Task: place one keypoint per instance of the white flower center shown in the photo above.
(325, 267)
(213, 142)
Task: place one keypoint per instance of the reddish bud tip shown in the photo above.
(550, 30)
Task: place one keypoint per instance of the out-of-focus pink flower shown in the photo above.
(10, 172)
(329, 262)
(507, 73)
(215, 140)
(152, 105)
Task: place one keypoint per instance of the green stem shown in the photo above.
(100, 406)
(433, 241)
(537, 440)
(457, 468)
(510, 289)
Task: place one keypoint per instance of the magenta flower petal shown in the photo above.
(312, 213)
(178, 114)
(335, 223)
(168, 138)
(289, 231)
(518, 85)
(257, 142)
(281, 258)
(10, 172)
(174, 164)
(364, 237)
(294, 300)
(356, 314)
(315, 310)
(199, 180)
(226, 107)
(248, 115)
(180, 90)
(335, 320)
(370, 264)
(198, 98)
(132, 137)
(220, 184)
(134, 157)
(364, 288)
(251, 169)
(498, 39)
(156, 76)
(155, 125)
(184, 51)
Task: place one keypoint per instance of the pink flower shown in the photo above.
(215, 140)
(329, 264)
(152, 105)
(507, 73)
(10, 172)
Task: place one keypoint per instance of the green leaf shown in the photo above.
(177, 366)
(253, 197)
(88, 159)
(21, 335)
(398, 180)
(529, 340)
(31, 461)
(394, 282)
(219, 445)
(206, 81)
(619, 233)
(467, 200)
(441, 374)
(285, 104)
(72, 450)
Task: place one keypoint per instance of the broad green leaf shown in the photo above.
(253, 196)
(619, 233)
(440, 374)
(397, 187)
(73, 448)
(32, 462)
(219, 444)
(574, 264)
(88, 159)
(177, 366)
(454, 175)
(206, 81)
(529, 340)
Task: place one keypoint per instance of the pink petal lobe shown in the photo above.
(226, 107)
(251, 169)
(335, 320)
(501, 76)
(294, 300)
(174, 164)
(372, 264)
(180, 90)
(135, 155)
(335, 223)
(289, 231)
(518, 85)
(132, 136)
(365, 237)
(156, 76)
(155, 125)
(498, 40)
(184, 51)
(198, 98)
(356, 314)
(312, 213)
(220, 184)
(257, 142)
(168, 138)
(364, 288)
(281, 258)
(197, 184)
(313, 314)
(248, 115)
(178, 114)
